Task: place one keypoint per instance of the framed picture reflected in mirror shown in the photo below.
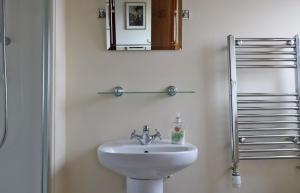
(135, 16)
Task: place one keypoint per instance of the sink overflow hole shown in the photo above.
(146, 151)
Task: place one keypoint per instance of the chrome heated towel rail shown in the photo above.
(263, 125)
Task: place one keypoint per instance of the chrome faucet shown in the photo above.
(145, 138)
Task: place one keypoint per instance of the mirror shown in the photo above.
(144, 24)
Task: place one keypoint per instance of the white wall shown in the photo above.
(201, 65)
(126, 37)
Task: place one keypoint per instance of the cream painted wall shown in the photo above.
(201, 65)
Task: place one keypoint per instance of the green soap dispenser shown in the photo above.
(178, 134)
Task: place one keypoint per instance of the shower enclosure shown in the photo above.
(24, 73)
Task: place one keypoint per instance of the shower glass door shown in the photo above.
(22, 157)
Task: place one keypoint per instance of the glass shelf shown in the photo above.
(170, 91)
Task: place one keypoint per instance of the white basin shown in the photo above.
(146, 162)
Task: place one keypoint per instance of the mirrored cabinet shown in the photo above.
(144, 24)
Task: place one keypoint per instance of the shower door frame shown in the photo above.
(47, 120)
(47, 100)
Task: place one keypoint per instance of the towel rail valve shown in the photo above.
(236, 177)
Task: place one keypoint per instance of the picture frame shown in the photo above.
(135, 15)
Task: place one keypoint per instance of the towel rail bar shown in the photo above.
(267, 136)
(265, 46)
(266, 59)
(268, 115)
(265, 94)
(267, 122)
(242, 53)
(268, 150)
(265, 39)
(268, 129)
(268, 143)
(269, 157)
(266, 101)
(266, 108)
(266, 66)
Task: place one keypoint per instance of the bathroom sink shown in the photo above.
(146, 162)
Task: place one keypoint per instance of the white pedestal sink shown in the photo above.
(145, 166)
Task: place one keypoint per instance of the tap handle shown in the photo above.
(133, 134)
(158, 134)
(146, 128)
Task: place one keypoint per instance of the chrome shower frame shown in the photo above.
(5, 41)
(47, 119)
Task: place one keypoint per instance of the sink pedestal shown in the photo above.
(144, 186)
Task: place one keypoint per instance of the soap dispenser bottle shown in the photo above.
(178, 134)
